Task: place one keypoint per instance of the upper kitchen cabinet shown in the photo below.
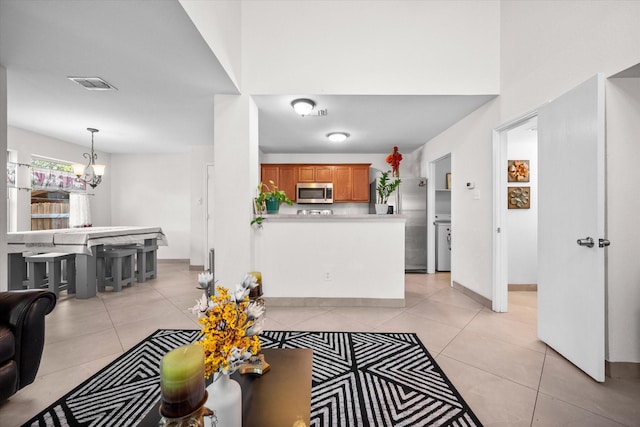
(342, 183)
(351, 183)
(360, 183)
(315, 173)
(284, 176)
(288, 179)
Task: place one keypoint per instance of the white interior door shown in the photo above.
(571, 291)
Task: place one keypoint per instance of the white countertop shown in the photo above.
(332, 218)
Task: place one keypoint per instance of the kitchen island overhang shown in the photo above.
(332, 260)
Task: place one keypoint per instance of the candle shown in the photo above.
(182, 381)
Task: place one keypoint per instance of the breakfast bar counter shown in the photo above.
(354, 260)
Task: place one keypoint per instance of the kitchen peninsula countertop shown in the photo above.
(334, 217)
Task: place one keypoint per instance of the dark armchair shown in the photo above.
(21, 337)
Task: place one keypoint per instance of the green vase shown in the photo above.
(273, 205)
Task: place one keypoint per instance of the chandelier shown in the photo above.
(91, 173)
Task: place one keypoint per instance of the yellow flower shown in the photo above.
(224, 328)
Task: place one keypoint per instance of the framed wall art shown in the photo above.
(518, 171)
(519, 197)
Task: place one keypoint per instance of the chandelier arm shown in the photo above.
(89, 176)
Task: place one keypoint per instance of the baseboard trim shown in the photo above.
(521, 287)
(196, 267)
(473, 295)
(622, 370)
(173, 261)
(334, 302)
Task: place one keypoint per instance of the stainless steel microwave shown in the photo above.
(314, 192)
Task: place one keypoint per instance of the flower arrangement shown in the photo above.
(231, 323)
(394, 160)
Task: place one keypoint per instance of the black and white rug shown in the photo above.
(358, 379)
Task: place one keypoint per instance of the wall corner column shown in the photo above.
(235, 179)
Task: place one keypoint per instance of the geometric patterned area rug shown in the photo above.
(358, 379)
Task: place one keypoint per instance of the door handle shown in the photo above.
(603, 243)
(587, 241)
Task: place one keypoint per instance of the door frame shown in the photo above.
(500, 292)
(208, 213)
(431, 210)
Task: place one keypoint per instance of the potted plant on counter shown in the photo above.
(271, 197)
(384, 189)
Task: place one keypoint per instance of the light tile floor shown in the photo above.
(507, 376)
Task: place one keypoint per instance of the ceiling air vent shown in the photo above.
(92, 83)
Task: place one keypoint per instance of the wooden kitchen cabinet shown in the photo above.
(287, 179)
(315, 173)
(269, 173)
(342, 183)
(350, 181)
(360, 186)
(284, 176)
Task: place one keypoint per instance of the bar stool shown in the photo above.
(115, 268)
(146, 260)
(46, 270)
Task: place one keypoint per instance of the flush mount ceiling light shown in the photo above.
(92, 83)
(92, 173)
(303, 106)
(337, 136)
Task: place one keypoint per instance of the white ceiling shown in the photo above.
(166, 78)
(375, 122)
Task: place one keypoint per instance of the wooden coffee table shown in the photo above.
(278, 398)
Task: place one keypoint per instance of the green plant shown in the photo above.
(268, 193)
(386, 187)
(265, 193)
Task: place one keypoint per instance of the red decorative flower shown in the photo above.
(394, 160)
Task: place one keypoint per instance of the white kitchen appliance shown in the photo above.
(443, 245)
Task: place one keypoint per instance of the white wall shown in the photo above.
(549, 47)
(236, 176)
(377, 160)
(469, 142)
(219, 22)
(522, 224)
(623, 205)
(153, 190)
(371, 47)
(28, 144)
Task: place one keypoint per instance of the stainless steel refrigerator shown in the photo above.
(412, 203)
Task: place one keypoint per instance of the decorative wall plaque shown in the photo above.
(519, 197)
(518, 171)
